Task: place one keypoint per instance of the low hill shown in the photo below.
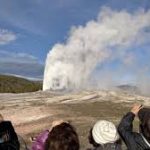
(12, 84)
(129, 89)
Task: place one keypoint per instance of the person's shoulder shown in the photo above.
(42, 136)
(6, 123)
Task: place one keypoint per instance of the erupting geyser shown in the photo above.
(70, 65)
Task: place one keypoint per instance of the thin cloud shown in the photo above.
(6, 36)
(20, 64)
(6, 56)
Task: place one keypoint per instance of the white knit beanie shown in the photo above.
(104, 132)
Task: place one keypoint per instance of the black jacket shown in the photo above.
(133, 140)
(109, 146)
(12, 142)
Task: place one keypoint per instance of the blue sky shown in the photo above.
(30, 28)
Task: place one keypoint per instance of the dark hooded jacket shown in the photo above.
(10, 142)
(133, 140)
(109, 146)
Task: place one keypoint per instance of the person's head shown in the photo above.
(62, 137)
(144, 117)
(1, 118)
(103, 132)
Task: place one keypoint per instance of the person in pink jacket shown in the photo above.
(39, 141)
(59, 130)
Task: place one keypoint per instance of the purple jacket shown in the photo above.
(39, 143)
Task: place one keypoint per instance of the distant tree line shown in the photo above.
(11, 84)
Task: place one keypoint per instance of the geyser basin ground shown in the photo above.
(34, 112)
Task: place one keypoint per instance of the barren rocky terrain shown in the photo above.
(32, 113)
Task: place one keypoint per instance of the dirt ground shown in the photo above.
(82, 116)
(32, 114)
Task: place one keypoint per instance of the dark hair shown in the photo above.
(62, 137)
(91, 140)
(108, 146)
(144, 117)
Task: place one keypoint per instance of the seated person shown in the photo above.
(134, 140)
(104, 136)
(61, 136)
(8, 136)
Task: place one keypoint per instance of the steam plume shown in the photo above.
(70, 65)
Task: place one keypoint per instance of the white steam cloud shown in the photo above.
(70, 65)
